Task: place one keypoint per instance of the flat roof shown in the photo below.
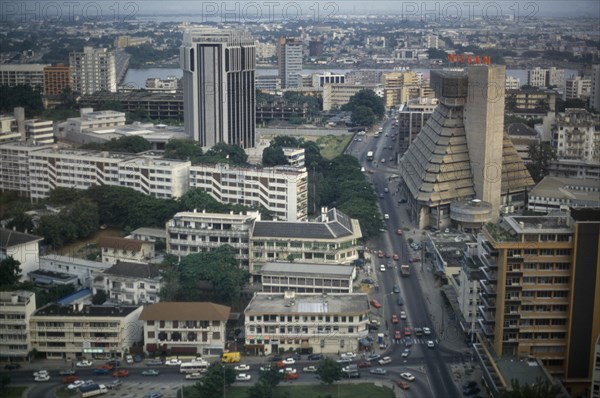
(185, 311)
(152, 232)
(53, 274)
(112, 311)
(306, 303)
(305, 268)
(78, 295)
(569, 189)
(526, 372)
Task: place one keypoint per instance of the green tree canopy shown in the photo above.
(329, 370)
(10, 271)
(183, 150)
(99, 298)
(368, 98)
(129, 144)
(273, 156)
(24, 96)
(225, 153)
(541, 155)
(540, 389)
(215, 380)
(363, 116)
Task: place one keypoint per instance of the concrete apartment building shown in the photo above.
(197, 232)
(16, 128)
(576, 135)
(129, 283)
(14, 166)
(331, 239)
(541, 289)
(66, 331)
(93, 69)
(399, 87)
(90, 119)
(40, 131)
(218, 86)
(577, 88)
(512, 83)
(411, 118)
(540, 77)
(56, 79)
(289, 61)
(595, 88)
(336, 95)
(280, 277)
(319, 80)
(282, 190)
(83, 270)
(23, 74)
(558, 194)
(16, 310)
(531, 102)
(23, 247)
(185, 328)
(467, 154)
(294, 156)
(321, 323)
(116, 249)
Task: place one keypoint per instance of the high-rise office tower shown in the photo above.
(218, 86)
(289, 58)
(93, 69)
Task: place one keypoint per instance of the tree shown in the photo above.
(366, 98)
(541, 154)
(10, 272)
(329, 371)
(215, 380)
(273, 156)
(183, 150)
(363, 116)
(267, 381)
(99, 298)
(225, 153)
(540, 389)
(24, 96)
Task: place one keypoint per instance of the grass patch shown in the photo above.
(341, 390)
(64, 393)
(333, 145)
(13, 391)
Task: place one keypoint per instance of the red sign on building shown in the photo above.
(469, 59)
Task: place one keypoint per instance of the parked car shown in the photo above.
(309, 369)
(243, 377)
(85, 364)
(289, 361)
(193, 376)
(150, 372)
(75, 385)
(375, 303)
(378, 371)
(287, 370)
(129, 359)
(367, 281)
(373, 357)
(351, 355)
(137, 358)
(242, 368)
(114, 362)
(42, 377)
(364, 364)
(101, 372)
(291, 376)
(67, 372)
(265, 368)
(403, 385)
(154, 362)
(173, 362)
(407, 376)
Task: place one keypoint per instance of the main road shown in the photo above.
(383, 173)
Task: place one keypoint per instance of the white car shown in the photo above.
(407, 376)
(266, 368)
(426, 331)
(310, 369)
(129, 359)
(243, 377)
(287, 370)
(242, 368)
(430, 343)
(386, 216)
(382, 268)
(193, 376)
(289, 361)
(173, 362)
(75, 385)
(42, 377)
(350, 355)
(85, 364)
(198, 359)
(40, 373)
(405, 353)
(385, 360)
(402, 315)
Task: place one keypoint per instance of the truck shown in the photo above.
(91, 390)
(405, 270)
(370, 155)
(230, 357)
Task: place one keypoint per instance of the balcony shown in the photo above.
(487, 329)
(488, 302)
(487, 315)
(487, 288)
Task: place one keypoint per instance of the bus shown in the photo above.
(370, 155)
(193, 367)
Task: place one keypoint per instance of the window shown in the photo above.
(216, 335)
(150, 335)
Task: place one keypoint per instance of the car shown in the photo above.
(375, 322)
(375, 303)
(386, 190)
(129, 359)
(381, 196)
(154, 362)
(242, 368)
(75, 385)
(407, 376)
(399, 231)
(85, 364)
(395, 257)
(352, 375)
(173, 362)
(405, 353)
(70, 379)
(348, 355)
(107, 366)
(397, 335)
(150, 372)
(382, 268)
(415, 260)
(418, 331)
(121, 373)
(408, 342)
(373, 357)
(137, 358)
(310, 369)
(153, 395)
(407, 331)
(289, 361)
(40, 373)
(402, 315)
(193, 376)
(67, 372)
(403, 385)
(382, 160)
(472, 391)
(364, 364)
(42, 377)
(430, 344)
(114, 384)
(426, 331)
(386, 216)
(395, 319)
(12, 366)
(243, 377)
(385, 360)
(114, 362)
(467, 385)
(291, 376)
(378, 371)
(380, 254)
(400, 301)
(265, 368)
(101, 372)
(287, 370)
(388, 255)
(344, 360)
(366, 281)
(315, 357)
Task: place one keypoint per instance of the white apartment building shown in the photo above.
(289, 53)
(577, 88)
(14, 166)
(16, 309)
(93, 69)
(595, 88)
(539, 77)
(576, 135)
(197, 232)
(467, 287)
(130, 283)
(512, 83)
(24, 248)
(65, 331)
(265, 51)
(336, 95)
(556, 194)
(84, 270)
(282, 190)
(294, 156)
(23, 74)
(155, 176)
(307, 278)
(185, 328)
(90, 119)
(323, 323)
(321, 79)
(116, 249)
(40, 131)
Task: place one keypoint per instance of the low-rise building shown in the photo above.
(555, 193)
(294, 156)
(130, 283)
(25, 248)
(67, 331)
(307, 278)
(40, 131)
(319, 323)
(16, 308)
(336, 95)
(47, 279)
(83, 270)
(90, 119)
(576, 135)
(185, 328)
(116, 249)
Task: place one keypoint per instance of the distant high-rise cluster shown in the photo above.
(219, 87)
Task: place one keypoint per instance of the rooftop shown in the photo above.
(185, 311)
(303, 268)
(63, 276)
(122, 243)
(134, 270)
(452, 246)
(520, 129)
(151, 232)
(55, 309)
(23, 296)
(10, 238)
(306, 303)
(75, 297)
(582, 190)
